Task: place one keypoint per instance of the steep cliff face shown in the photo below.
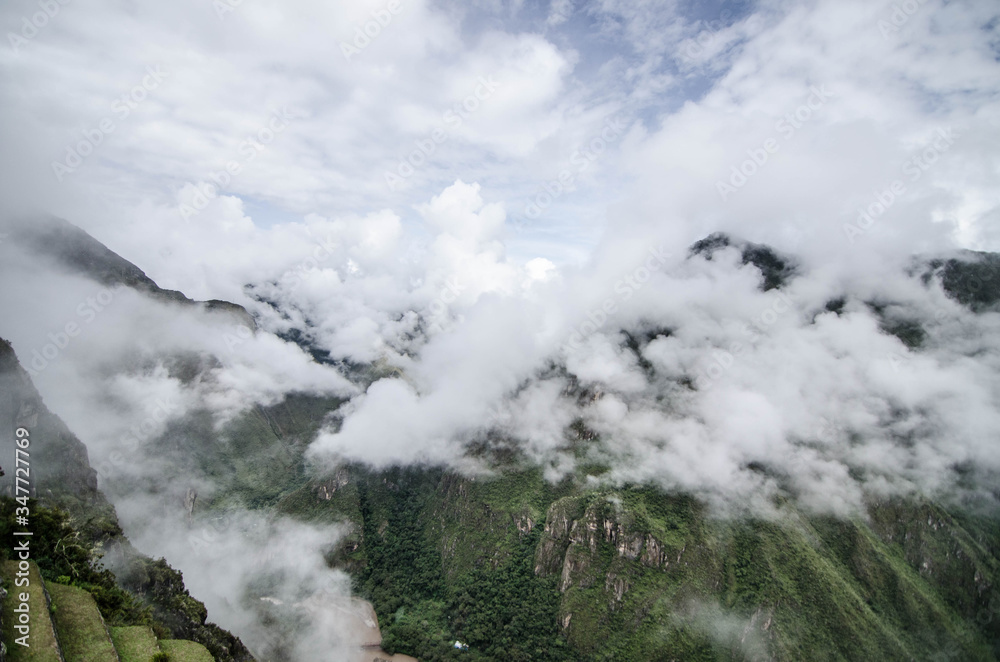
(635, 573)
(522, 569)
(802, 588)
(955, 555)
(61, 476)
(60, 471)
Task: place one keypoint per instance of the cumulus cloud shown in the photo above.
(253, 572)
(701, 381)
(587, 337)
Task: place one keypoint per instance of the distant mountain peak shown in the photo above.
(79, 253)
(776, 268)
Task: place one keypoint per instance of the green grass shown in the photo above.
(185, 651)
(79, 626)
(42, 639)
(135, 644)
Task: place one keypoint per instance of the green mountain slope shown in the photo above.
(523, 570)
(73, 250)
(69, 507)
(514, 567)
(58, 622)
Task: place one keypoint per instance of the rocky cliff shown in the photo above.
(61, 477)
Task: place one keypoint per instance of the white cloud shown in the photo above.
(479, 313)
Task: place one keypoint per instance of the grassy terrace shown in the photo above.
(135, 643)
(42, 640)
(79, 625)
(74, 627)
(185, 651)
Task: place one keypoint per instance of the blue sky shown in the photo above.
(695, 84)
(484, 190)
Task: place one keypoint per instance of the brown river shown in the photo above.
(364, 623)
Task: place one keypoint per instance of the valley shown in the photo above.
(398, 563)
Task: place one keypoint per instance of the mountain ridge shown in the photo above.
(62, 478)
(607, 570)
(75, 250)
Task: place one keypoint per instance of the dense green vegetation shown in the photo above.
(65, 555)
(973, 280)
(402, 568)
(520, 569)
(508, 613)
(517, 568)
(501, 611)
(74, 525)
(632, 573)
(146, 592)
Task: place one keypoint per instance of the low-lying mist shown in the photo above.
(688, 370)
